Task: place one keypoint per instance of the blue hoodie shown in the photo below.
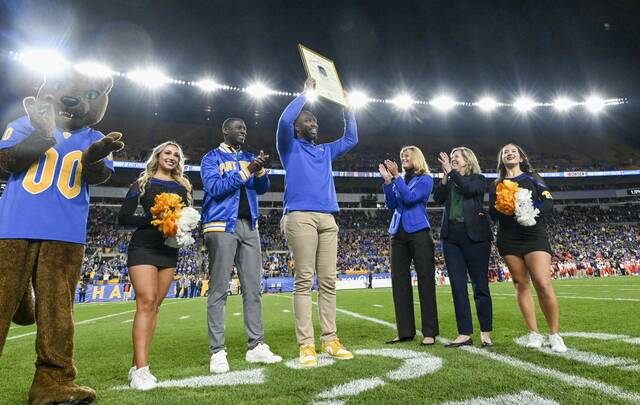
(308, 180)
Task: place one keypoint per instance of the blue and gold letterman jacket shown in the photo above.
(224, 173)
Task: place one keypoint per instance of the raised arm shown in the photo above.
(349, 138)
(285, 134)
(27, 138)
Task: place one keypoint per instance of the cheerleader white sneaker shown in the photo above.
(133, 368)
(219, 363)
(142, 379)
(535, 340)
(262, 354)
(557, 344)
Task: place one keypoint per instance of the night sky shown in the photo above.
(466, 48)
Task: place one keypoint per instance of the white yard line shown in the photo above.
(253, 376)
(521, 398)
(594, 359)
(86, 321)
(579, 298)
(569, 379)
(560, 284)
(573, 380)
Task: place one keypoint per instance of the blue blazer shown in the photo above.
(409, 202)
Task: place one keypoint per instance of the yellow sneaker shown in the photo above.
(308, 356)
(335, 349)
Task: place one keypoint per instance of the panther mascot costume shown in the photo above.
(52, 155)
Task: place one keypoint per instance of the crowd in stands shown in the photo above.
(587, 241)
(366, 159)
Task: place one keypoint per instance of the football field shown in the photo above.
(600, 322)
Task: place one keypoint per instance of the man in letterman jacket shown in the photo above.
(232, 179)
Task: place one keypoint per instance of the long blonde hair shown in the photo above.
(177, 173)
(473, 167)
(418, 161)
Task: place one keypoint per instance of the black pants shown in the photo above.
(417, 248)
(463, 256)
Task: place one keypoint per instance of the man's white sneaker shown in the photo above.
(219, 363)
(557, 344)
(262, 354)
(142, 379)
(535, 340)
(133, 368)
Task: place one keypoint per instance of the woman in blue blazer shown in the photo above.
(411, 241)
(466, 241)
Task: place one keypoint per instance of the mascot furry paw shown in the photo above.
(52, 155)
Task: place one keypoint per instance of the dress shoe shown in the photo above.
(468, 342)
(398, 340)
(422, 343)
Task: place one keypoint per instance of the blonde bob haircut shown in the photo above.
(473, 167)
(420, 166)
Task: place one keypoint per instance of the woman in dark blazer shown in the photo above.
(411, 241)
(466, 241)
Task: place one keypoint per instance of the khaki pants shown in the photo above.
(313, 239)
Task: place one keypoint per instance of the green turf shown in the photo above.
(180, 350)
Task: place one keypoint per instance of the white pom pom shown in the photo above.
(525, 213)
(188, 221)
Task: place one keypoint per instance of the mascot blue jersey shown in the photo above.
(48, 200)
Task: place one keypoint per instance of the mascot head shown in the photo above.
(79, 100)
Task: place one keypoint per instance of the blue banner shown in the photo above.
(115, 292)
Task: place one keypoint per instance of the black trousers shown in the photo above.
(417, 248)
(464, 256)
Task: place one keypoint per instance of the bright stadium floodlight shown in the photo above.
(563, 104)
(403, 101)
(44, 61)
(357, 99)
(207, 85)
(487, 104)
(524, 104)
(151, 78)
(258, 90)
(443, 103)
(594, 104)
(93, 69)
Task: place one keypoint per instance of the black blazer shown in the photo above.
(476, 221)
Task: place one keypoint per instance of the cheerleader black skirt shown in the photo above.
(520, 240)
(162, 258)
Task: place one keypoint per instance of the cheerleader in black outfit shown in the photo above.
(151, 263)
(526, 249)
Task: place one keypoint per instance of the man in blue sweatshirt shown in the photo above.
(232, 180)
(308, 223)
